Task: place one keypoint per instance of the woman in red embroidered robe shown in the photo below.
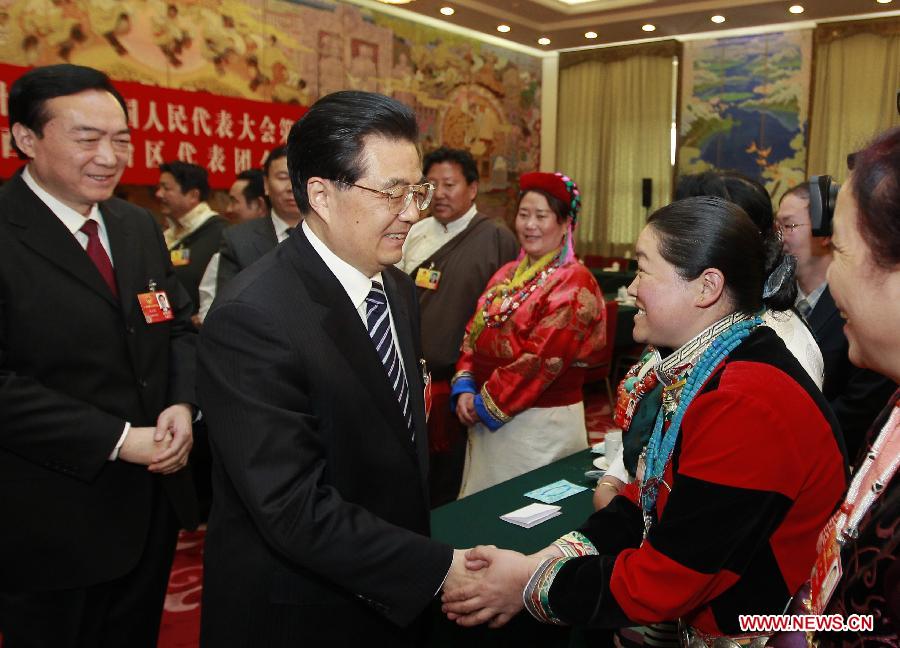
(540, 322)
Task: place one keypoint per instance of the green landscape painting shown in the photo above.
(745, 106)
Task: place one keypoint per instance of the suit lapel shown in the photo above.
(125, 251)
(265, 238)
(822, 314)
(344, 326)
(44, 233)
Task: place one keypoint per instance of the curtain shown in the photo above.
(615, 118)
(857, 76)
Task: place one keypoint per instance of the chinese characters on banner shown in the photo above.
(223, 134)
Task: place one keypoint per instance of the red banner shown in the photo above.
(225, 135)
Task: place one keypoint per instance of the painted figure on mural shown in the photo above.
(331, 63)
(111, 19)
(363, 70)
(169, 35)
(221, 42)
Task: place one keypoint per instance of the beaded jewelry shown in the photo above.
(662, 442)
(511, 300)
(634, 387)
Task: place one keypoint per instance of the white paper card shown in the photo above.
(531, 515)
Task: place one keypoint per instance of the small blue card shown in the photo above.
(554, 492)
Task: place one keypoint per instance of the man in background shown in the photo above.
(451, 256)
(247, 197)
(243, 244)
(96, 379)
(311, 383)
(194, 229)
(856, 395)
(247, 201)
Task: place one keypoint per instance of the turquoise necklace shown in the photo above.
(662, 443)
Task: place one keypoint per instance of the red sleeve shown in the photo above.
(741, 489)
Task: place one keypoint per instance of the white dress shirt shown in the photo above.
(812, 298)
(428, 236)
(71, 218)
(355, 283)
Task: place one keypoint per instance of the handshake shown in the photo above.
(485, 584)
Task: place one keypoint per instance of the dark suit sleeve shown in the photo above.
(277, 454)
(857, 404)
(75, 437)
(228, 262)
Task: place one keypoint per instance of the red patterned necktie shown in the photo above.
(99, 256)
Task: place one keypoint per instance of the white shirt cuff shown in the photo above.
(114, 455)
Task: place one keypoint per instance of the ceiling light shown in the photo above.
(590, 34)
(395, 2)
(718, 19)
(649, 28)
(448, 11)
(883, 1)
(502, 28)
(796, 9)
(543, 41)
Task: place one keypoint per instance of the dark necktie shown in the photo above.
(379, 324)
(804, 308)
(98, 255)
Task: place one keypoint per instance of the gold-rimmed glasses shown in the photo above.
(400, 198)
(791, 226)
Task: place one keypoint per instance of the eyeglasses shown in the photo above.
(791, 226)
(401, 198)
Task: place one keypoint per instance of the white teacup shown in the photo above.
(612, 443)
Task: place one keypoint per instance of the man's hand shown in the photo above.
(140, 446)
(465, 409)
(497, 596)
(459, 576)
(165, 448)
(174, 425)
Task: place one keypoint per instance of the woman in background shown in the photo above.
(860, 545)
(540, 321)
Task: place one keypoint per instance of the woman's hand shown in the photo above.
(607, 488)
(465, 409)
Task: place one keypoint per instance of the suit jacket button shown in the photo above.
(142, 382)
(130, 330)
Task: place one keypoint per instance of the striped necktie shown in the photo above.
(379, 324)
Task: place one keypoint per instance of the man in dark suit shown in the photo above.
(247, 201)
(856, 395)
(311, 382)
(245, 243)
(96, 379)
(194, 228)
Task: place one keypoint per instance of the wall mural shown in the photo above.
(745, 107)
(466, 93)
